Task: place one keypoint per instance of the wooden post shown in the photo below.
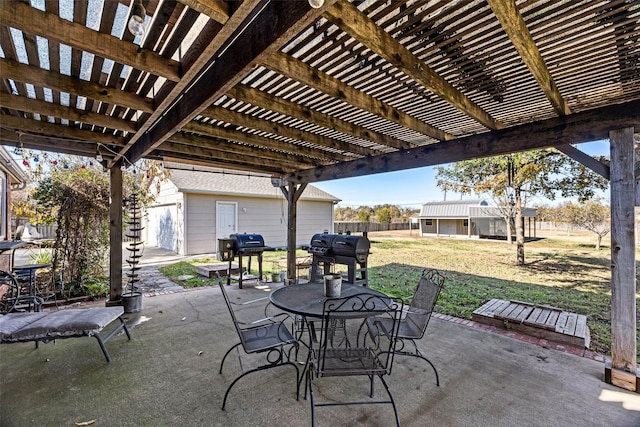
(115, 237)
(292, 194)
(622, 371)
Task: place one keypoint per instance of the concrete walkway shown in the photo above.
(167, 375)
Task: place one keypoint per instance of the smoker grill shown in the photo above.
(346, 249)
(248, 243)
(242, 245)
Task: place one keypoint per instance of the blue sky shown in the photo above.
(412, 188)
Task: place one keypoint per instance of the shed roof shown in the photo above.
(472, 208)
(449, 209)
(229, 183)
(495, 212)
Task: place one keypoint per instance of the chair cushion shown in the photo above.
(13, 322)
(62, 323)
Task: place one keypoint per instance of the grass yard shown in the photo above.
(561, 270)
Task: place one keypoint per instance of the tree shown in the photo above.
(74, 193)
(591, 215)
(511, 178)
(383, 215)
(364, 214)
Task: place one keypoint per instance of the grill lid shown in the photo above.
(340, 244)
(244, 242)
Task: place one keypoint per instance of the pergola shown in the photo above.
(316, 90)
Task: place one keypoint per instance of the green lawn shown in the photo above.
(561, 270)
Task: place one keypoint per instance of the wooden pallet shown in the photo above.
(541, 321)
(209, 271)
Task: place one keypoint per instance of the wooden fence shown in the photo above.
(361, 227)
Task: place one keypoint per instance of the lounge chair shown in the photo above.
(68, 323)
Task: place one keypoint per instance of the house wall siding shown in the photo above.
(200, 223)
(267, 217)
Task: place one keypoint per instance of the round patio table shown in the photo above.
(308, 299)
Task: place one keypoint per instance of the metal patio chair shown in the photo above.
(417, 315)
(344, 351)
(11, 298)
(267, 335)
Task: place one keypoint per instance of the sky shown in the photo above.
(410, 188)
(414, 187)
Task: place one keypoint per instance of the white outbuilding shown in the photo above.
(195, 208)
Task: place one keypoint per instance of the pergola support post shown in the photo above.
(622, 371)
(115, 237)
(292, 194)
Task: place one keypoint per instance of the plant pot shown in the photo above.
(132, 303)
(332, 285)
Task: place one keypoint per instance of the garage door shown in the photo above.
(162, 227)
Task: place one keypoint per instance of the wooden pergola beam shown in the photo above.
(352, 21)
(240, 150)
(44, 108)
(260, 141)
(51, 144)
(201, 61)
(586, 126)
(585, 160)
(22, 16)
(297, 70)
(276, 104)
(264, 34)
(209, 153)
(217, 10)
(513, 24)
(59, 131)
(59, 82)
(168, 157)
(275, 128)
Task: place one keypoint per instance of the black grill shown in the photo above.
(347, 249)
(242, 245)
(247, 243)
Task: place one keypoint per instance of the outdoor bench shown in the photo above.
(68, 323)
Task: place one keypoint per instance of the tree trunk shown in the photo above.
(519, 228)
(598, 242)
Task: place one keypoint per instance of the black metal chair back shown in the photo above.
(424, 300)
(267, 335)
(414, 325)
(345, 348)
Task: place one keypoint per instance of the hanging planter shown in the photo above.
(132, 297)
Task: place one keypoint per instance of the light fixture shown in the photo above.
(136, 20)
(316, 4)
(99, 158)
(19, 148)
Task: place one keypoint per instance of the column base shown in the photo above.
(621, 378)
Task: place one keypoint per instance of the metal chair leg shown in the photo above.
(225, 356)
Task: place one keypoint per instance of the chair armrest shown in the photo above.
(249, 302)
(266, 319)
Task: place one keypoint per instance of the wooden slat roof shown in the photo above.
(352, 88)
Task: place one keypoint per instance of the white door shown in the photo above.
(226, 218)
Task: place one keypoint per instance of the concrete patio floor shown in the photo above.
(168, 375)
